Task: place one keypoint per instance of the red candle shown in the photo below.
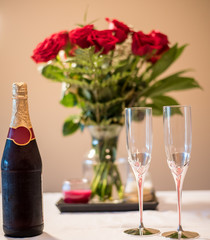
(76, 191)
(77, 196)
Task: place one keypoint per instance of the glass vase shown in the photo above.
(106, 173)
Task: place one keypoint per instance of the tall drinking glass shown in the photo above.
(138, 122)
(178, 144)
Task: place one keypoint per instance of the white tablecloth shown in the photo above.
(110, 226)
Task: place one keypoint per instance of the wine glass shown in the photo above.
(178, 144)
(139, 146)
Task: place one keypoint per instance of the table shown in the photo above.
(110, 226)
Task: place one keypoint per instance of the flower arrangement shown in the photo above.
(108, 70)
(105, 71)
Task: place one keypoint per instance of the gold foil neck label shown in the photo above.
(19, 90)
(20, 114)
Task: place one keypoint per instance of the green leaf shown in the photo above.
(158, 102)
(71, 125)
(171, 83)
(166, 60)
(69, 100)
(180, 50)
(85, 15)
(164, 101)
(53, 72)
(85, 94)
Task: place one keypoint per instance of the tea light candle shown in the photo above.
(76, 191)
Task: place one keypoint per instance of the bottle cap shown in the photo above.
(19, 90)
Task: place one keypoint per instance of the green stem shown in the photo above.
(106, 174)
(106, 177)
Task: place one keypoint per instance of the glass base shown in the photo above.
(184, 234)
(145, 231)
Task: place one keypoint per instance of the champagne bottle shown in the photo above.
(21, 169)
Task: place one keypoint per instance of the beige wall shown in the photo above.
(24, 23)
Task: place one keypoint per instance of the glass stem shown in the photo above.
(140, 183)
(179, 199)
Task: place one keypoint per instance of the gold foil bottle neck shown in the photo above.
(20, 114)
(19, 90)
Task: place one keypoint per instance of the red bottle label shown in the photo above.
(21, 135)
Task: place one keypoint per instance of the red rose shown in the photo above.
(49, 49)
(142, 44)
(120, 29)
(161, 41)
(79, 36)
(147, 44)
(151, 45)
(102, 40)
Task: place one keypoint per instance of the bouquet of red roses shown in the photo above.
(108, 70)
(105, 71)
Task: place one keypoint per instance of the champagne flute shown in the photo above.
(178, 144)
(139, 146)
